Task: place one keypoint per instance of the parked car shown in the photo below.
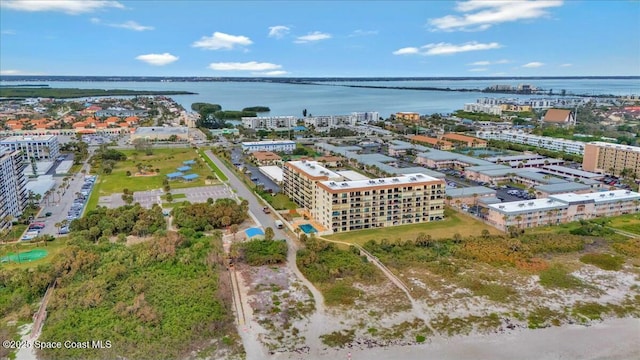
(266, 210)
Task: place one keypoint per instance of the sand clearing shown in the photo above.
(611, 339)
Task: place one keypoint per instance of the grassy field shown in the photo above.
(52, 247)
(453, 223)
(278, 201)
(629, 223)
(15, 233)
(213, 166)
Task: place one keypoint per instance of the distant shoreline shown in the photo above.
(24, 92)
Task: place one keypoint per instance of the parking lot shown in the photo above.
(257, 177)
(201, 194)
(147, 198)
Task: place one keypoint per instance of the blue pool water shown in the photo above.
(308, 228)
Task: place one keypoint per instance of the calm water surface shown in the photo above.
(328, 99)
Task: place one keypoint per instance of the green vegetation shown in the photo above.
(591, 310)
(542, 317)
(544, 152)
(558, 277)
(334, 270)
(206, 217)
(213, 166)
(278, 201)
(338, 338)
(463, 224)
(144, 175)
(51, 247)
(67, 93)
(200, 106)
(257, 109)
(131, 219)
(163, 296)
(476, 116)
(14, 234)
(604, 261)
(234, 114)
(629, 223)
(493, 291)
(263, 252)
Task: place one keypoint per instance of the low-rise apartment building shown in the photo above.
(12, 186)
(562, 208)
(43, 147)
(269, 122)
(364, 204)
(410, 116)
(286, 146)
(544, 142)
(483, 108)
(439, 144)
(266, 158)
(464, 140)
(611, 158)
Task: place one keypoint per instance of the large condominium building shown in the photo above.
(12, 186)
(269, 122)
(562, 208)
(365, 117)
(363, 204)
(611, 158)
(45, 147)
(483, 108)
(299, 180)
(269, 145)
(544, 142)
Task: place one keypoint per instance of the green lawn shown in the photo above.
(52, 247)
(453, 223)
(629, 223)
(213, 166)
(15, 233)
(279, 201)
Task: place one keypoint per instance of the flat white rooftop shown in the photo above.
(274, 172)
(268, 142)
(407, 179)
(616, 146)
(599, 197)
(352, 175)
(516, 207)
(12, 139)
(313, 168)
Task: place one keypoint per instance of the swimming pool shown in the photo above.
(308, 228)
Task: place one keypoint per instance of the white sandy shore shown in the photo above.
(613, 339)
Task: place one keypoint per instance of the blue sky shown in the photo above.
(324, 38)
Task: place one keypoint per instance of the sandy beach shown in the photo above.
(613, 339)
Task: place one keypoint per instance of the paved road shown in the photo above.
(255, 207)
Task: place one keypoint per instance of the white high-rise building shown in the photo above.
(13, 193)
(42, 147)
(269, 122)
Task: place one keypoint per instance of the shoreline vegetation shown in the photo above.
(24, 91)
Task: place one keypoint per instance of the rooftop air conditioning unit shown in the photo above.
(345, 184)
(381, 180)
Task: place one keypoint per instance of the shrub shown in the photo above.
(264, 252)
(558, 277)
(603, 261)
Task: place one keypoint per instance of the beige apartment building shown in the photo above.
(299, 180)
(611, 158)
(364, 204)
(562, 208)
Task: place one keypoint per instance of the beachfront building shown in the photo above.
(365, 117)
(612, 158)
(364, 204)
(432, 142)
(285, 146)
(270, 122)
(161, 133)
(562, 208)
(12, 186)
(329, 121)
(464, 140)
(544, 142)
(40, 148)
(299, 180)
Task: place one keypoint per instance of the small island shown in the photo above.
(21, 92)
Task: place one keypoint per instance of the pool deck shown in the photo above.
(296, 222)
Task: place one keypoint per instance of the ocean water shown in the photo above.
(329, 99)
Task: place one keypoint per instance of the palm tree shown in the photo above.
(519, 220)
(234, 228)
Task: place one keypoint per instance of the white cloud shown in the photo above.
(132, 25)
(478, 69)
(271, 73)
(566, 65)
(407, 51)
(480, 15)
(247, 66)
(447, 49)
(157, 59)
(278, 31)
(486, 63)
(72, 7)
(17, 72)
(8, 32)
(95, 20)
(314, 36)
(363, 33)
(220, 40)
(533, 64)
